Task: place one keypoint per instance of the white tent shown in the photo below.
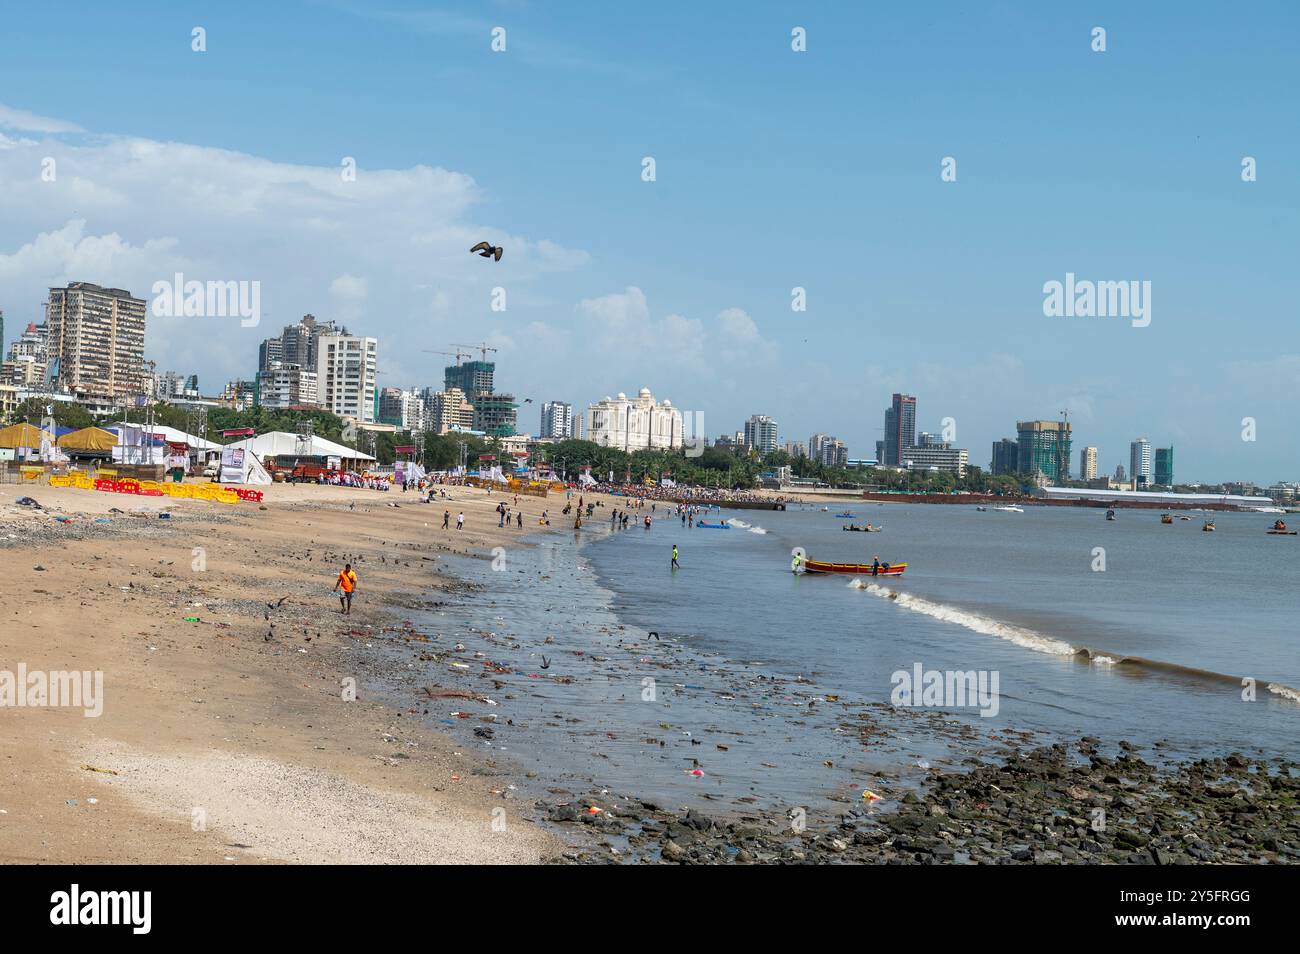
(586, 480)
(137, 444)
(241, 466)
(282, 444)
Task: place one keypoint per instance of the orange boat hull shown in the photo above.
(816, 566)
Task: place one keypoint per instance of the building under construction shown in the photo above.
(494, 414)
(1044, 448)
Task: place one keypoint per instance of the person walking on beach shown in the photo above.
(460, 520)
(676, 565)
(446, 520)
(345, 586)
(501, 514)
(519, 516)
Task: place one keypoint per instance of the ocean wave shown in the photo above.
(1039, 642)
(972, 621)
(1286, 692)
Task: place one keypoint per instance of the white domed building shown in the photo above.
(633, 424)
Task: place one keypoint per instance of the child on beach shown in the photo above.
(345, 585)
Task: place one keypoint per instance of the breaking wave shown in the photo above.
(1039, 642)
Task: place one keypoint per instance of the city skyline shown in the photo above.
(945, 302)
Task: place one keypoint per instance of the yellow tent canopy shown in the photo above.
(23, 435)
(89, 439)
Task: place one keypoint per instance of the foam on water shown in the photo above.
(741, 525)
(972, 621)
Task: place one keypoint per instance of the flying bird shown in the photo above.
(488, 251)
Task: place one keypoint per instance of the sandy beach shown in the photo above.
(228, 740)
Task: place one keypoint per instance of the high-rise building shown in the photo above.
(402, 408)
(285, 385)
(1164, 466)
(472, 377)
(494, 414)
(1139, 461)
(1088, 463)
(900, 428)
(557, 420)
(96, 340)
(760, 434)
(795, 448)
(448, 410)
(1044, 449)
(1006, 457)
(346, 376)
(28, 356)
(634, 423)
(1120, 476)
(297, 344)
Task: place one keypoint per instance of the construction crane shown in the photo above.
(480, 347)
(452, 354)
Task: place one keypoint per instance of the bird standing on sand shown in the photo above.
(488, 251)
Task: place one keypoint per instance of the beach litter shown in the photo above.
(96, 768)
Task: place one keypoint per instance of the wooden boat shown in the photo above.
(862, 569)
(1208, 526)
(1166, 518)
(1282, 533)
(854, 528)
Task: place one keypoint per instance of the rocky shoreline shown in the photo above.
(1049, 805)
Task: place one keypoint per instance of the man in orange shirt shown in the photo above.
(345, 586)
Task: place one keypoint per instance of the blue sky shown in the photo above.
(775, 169)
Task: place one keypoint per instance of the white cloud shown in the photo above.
(388, 252)
(11, 118)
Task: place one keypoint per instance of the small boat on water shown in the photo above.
(1282, 533)
(714, 526)
(1208, 527)
(845, 516)
(860, 569)
(982, 509)
(1166, 518)
(867, 529)
(1181, 517)
(1011, 508)
(1110, 514)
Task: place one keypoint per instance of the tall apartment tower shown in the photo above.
(760, 434)
(900, 428)
(557, 420)
(1088, 463)
(346, 376)
(96, 340)
(1139, 461)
